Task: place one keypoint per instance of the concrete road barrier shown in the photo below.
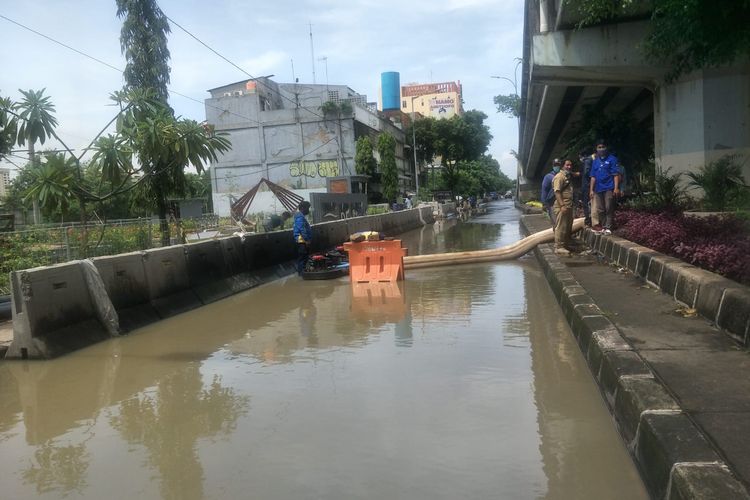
(125, 281)
(207, 271)
(168, 283)
(240, 278)
(53, 313)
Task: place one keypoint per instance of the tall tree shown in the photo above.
(164, 147)
(53, 183)
(423, 131)
(388, 169)
(509, 104)
(364, 161)
(37, 123)
(143, 41)
(37, 119)
(8, 126)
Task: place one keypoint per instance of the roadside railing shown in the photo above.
(43, 245)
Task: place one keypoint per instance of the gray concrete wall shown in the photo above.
(293, 146)
(702, 117)
(54, 312)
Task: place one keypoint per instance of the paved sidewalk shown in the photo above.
(701, 368)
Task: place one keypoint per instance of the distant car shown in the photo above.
(508, 195)
(493, 195)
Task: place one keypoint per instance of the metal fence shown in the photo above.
(43, 245)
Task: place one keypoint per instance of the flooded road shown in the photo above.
(461, 382)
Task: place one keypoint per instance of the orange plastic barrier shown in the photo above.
(372, 261)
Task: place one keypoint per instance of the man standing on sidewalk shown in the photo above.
(586, 159)
(604, 187)
(548, 194)
(563, 208)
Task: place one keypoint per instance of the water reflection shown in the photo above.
(58, 468)
(156, 404)
(170, 422)
(572, 420)
(458, 383)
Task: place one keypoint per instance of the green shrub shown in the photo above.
(722, 184)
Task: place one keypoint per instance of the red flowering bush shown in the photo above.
(720, 244)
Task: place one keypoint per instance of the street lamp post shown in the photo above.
(414, 145)
(513, 82)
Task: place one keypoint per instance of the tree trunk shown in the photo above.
(161, 205)
(84, 232)
(35, 211)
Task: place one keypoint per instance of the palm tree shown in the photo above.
(163, 147)
(36, 123)
(52, 183)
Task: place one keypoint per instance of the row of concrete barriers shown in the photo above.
(58, 309)
(676, 460)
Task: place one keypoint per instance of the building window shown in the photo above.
(403, 104)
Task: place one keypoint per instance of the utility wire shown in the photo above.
(191, 98)
(282, 96)
(121, 71)
(60, 43)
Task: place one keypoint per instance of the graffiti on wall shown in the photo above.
(318, 168)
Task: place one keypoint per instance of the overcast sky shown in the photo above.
(425, 41)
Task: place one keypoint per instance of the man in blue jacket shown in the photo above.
(604, 186)
(302, 235)
(548, 195)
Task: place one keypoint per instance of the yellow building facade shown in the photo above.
(437, 100)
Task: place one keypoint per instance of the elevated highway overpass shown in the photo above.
(702, 116)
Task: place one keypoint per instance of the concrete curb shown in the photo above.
(722, 301)
(676, 461)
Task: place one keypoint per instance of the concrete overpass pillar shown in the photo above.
(703, 117)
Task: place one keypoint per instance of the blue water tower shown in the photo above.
(390, 83)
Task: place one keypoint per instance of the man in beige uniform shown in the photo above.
(563, 208)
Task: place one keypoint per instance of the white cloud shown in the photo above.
(424, 40)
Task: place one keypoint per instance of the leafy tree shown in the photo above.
(389, 180)
(364, 161)
(632, 143)
(508, 104)
(163, 145)
(457, 140)
(37, 119)
(36, 123)
(684, 35)
(52, 183)
(694, 34)
(8, 126)
(143, 41)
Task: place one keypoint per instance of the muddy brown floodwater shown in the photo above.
(458, 383)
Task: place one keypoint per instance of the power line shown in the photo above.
(282, 96)
(60, 43)
(121, 71)
(191, 98)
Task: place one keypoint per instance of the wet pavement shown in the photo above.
(461, 382)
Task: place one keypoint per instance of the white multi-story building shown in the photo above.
(280, 131)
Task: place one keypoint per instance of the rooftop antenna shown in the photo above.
(312, 52)
(293, 79)
(325, 59)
